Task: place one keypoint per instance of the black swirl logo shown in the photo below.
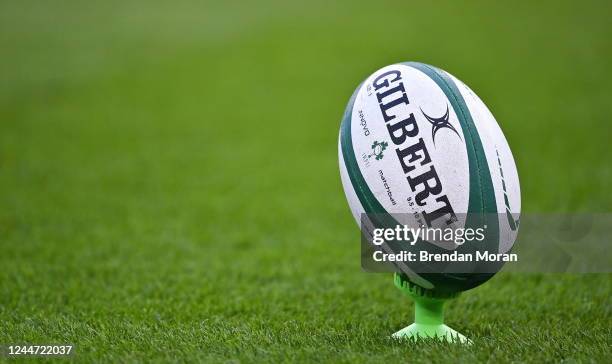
(439, 123)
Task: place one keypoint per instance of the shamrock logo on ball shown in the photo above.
(378, 148)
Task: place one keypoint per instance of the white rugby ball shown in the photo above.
(415, 140)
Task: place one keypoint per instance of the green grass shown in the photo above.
(169, 188)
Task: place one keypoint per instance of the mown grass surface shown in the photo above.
(169, 187)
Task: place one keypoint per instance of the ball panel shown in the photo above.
(368, 202)
(352, 198)
(501, 164)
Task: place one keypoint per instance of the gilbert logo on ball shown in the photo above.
(446, 163)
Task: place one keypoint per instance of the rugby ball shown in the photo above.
(415, 140)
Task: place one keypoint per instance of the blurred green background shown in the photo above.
(169, 187)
